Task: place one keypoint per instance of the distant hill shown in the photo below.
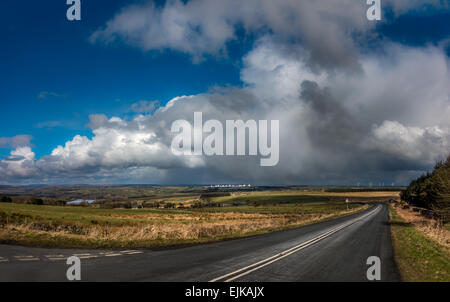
(431, 191)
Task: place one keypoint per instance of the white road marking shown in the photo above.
(26, 258)
(260, 264)
(112, 255)
(85, 256)
(131, 252)
(88, 257)
(54, 257)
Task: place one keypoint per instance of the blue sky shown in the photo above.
(53, 77)
(51, 54)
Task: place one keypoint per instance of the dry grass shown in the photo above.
(132, 228)
(428, 226)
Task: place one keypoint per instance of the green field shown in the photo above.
(92, 226)
(115, 196)
(170, 215)
(304, 208)
(418, 257)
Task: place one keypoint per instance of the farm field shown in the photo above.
(286, 197)
(198, 220)
(185, 194)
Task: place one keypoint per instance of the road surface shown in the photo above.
(334, 250)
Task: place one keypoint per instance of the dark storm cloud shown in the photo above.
(347, 114)
(331, 125)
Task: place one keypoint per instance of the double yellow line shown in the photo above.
(265, 262)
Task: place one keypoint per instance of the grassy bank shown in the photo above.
(418, 257)
(89, 227)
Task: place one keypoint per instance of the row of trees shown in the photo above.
(34, 200)
(431, 191)
(5, 199)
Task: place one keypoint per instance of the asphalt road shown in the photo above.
(334, 250)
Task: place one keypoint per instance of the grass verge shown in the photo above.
(418, 257)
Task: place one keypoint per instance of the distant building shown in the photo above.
(80, 201)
